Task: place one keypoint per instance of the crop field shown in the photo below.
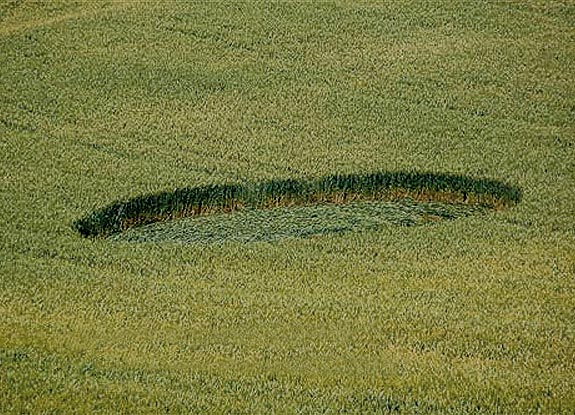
(253, 207)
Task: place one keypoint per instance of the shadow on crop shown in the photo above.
(336, 189)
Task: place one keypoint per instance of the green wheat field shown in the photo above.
(395, 306)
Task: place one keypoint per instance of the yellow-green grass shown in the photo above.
(106, 102)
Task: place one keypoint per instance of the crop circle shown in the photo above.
(280, 208)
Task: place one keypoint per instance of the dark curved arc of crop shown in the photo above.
(191, 201)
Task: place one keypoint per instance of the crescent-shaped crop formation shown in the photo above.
(281, 208)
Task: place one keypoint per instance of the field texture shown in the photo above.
(102, 102)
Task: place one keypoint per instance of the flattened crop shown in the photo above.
(277, 209)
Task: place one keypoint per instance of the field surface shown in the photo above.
(102, 102)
